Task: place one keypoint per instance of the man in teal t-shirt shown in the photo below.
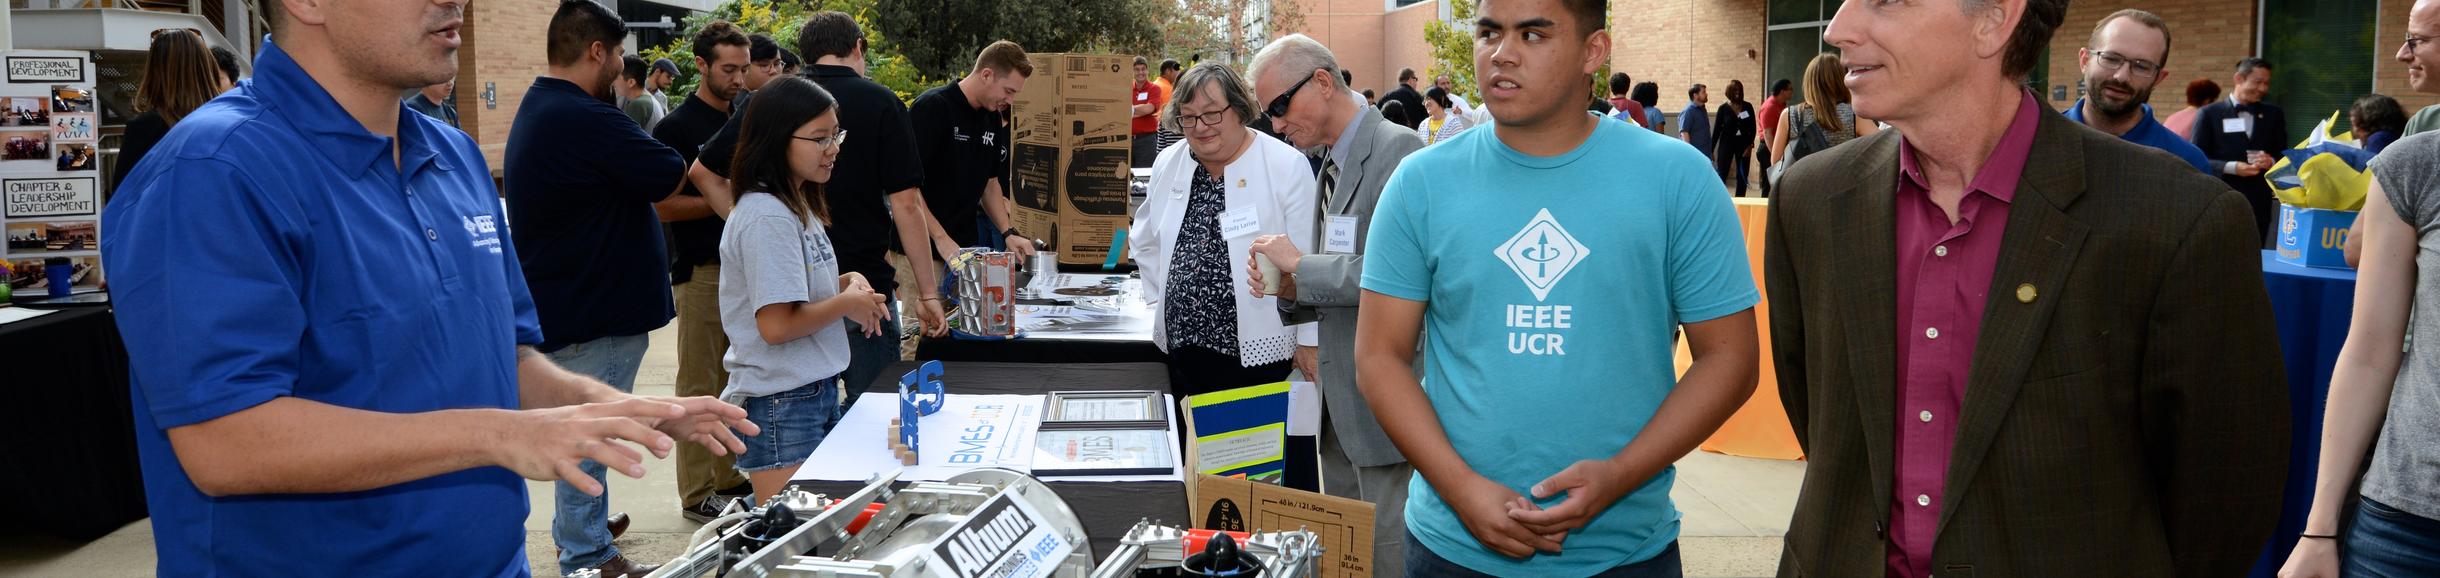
(1547, 290)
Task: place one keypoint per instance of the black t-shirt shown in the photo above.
(963, 148)
(695, 242)
(880, 159)
(144, 131)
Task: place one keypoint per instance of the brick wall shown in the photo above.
(1403, 46)
(1678, 43)
(1370, 42)
(502, 45)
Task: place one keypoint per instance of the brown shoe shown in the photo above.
(618, 525)
(619, 567)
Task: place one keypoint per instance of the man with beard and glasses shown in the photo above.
(330, 333)
(2128, 56)
(582, 179)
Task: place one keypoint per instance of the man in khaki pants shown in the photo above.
(705, 481)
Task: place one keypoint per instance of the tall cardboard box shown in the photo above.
(1235, 504)
(1069, 159)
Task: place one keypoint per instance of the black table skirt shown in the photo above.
(71, 467)
(1039, 351)
(1108, 509)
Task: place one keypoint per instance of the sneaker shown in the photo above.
(703, 513)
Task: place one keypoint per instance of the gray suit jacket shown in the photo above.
(1329, 285)
(2126, 413)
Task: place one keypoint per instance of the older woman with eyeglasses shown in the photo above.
(1208, 200)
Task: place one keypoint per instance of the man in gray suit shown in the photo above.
(1314, 110)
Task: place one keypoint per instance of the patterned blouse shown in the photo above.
(1198, 306)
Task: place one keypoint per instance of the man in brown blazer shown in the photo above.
(2012, 345)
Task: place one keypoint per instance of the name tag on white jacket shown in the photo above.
(1239, 222)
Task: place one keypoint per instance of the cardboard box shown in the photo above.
(2314, 237)
(1070, 156)
(1345, 526)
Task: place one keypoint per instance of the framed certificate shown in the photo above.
(1102, 452)
(1138, 409)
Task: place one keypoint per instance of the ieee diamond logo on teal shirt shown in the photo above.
(1542, 253)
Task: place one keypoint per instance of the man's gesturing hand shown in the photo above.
(548, 444)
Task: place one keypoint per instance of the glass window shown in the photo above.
(1790, 50)
(2316, 49)
(1794, 11)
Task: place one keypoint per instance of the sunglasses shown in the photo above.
(1279, 105)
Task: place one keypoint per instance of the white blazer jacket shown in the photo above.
(1272, 179)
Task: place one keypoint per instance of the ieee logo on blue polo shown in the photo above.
(2314, 237)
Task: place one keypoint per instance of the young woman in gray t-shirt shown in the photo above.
(782, 299)
(2385, 395)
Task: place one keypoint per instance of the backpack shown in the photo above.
(1804, 139)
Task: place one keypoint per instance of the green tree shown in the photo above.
(781, 19)
(941, 37)
(1453, 46)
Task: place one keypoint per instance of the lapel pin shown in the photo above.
(1240, 183)
(2025, 293)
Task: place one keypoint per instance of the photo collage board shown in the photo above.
(50, 169)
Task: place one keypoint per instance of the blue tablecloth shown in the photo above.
(2313, 307)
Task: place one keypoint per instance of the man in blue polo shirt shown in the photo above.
(582, 178)
(2128, 56)
(1546, 291)
(326, 325)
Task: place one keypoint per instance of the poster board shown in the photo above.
(1235, 504)
(50, 169)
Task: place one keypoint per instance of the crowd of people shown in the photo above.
(2028, 341)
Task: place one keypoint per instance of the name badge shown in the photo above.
(1143, 96)
(1745, 115)
(1339, 234)
(1239, 223)
(2232, 125)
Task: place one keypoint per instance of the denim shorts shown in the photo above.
(793, 422)
(2388, 542)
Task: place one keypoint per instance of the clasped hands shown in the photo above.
(1515, 526)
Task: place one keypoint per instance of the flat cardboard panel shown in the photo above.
(1344, 525)
(1071, 130)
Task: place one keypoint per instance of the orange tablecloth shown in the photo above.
(1760, 429)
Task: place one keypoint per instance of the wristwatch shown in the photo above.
(1012, 232)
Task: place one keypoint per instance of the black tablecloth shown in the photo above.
(71, 457)
(1108, 509)
(1030, 350)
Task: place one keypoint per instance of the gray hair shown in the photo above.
(1211, 76)
(1294, 52)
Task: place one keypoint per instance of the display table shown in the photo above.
(72, 471)
(1113, 327)
(1760, 428)
(1108, 509)
(2314, 308)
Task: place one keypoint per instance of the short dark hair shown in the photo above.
(577, 25)
(2377, 113)
(1368, 95)
(1437, 96)
(1169, 64)
(1646, 93)
(1694, 90)
(1346, 77)
(2247, 66)
(788, 59)
(2147, 19)
(2031, 39)
(760, 48)
(1781, 85)
(828, 33)
(1140, 61)
(1406, 74)
(227, 61)
(1003, 57)
(635, 69)
(715, 35)
(2201, 92)
(1619, 83)
(1591, 14)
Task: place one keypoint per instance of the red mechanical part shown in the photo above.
(870, 510)
(1196, 539)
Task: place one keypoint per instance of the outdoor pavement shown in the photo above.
(1736, 509)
